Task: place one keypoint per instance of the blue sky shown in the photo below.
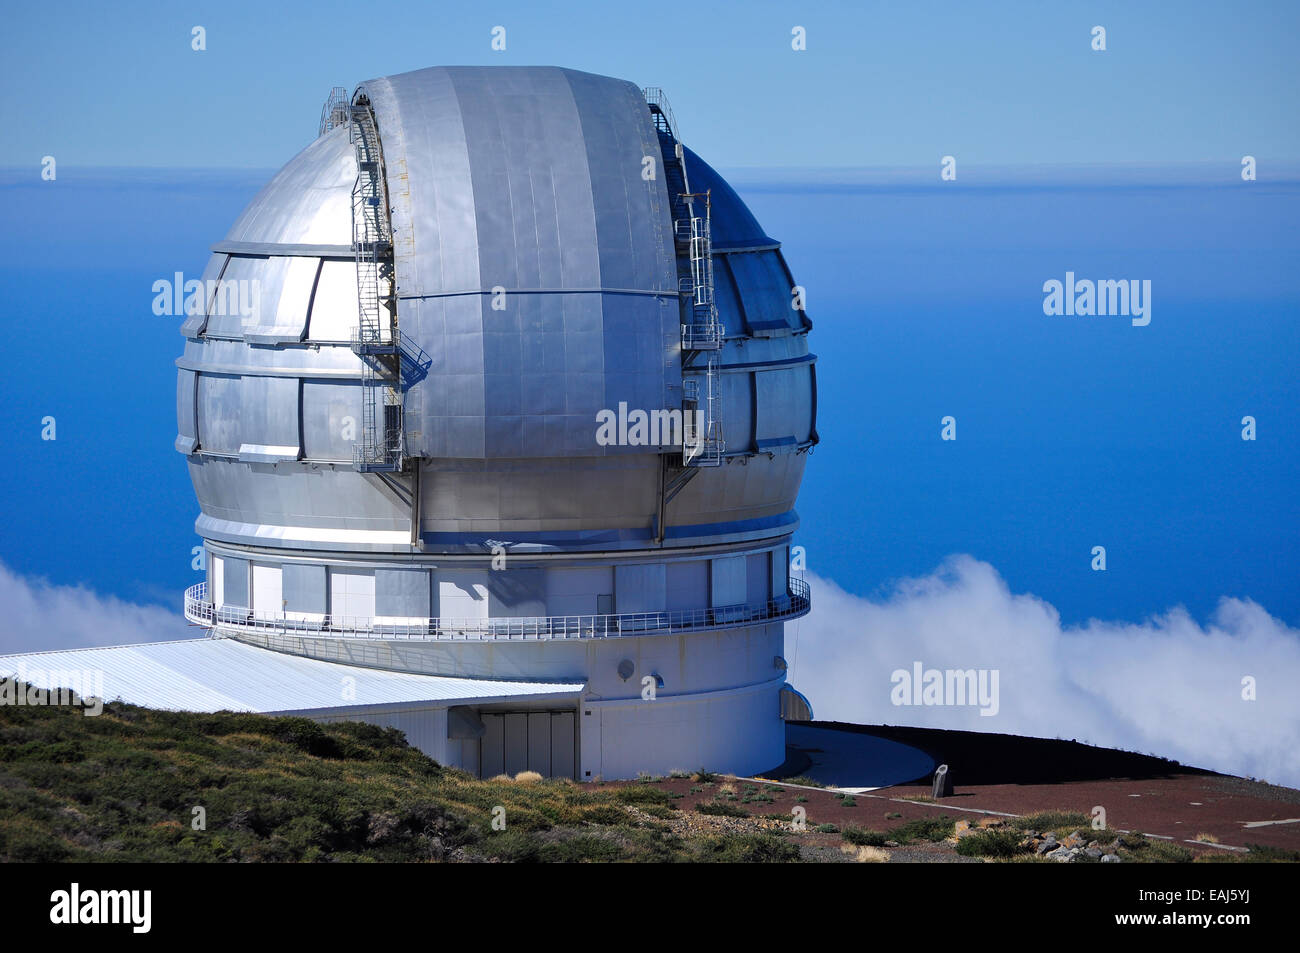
(99, 84)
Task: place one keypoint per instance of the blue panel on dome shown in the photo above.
(734, 225)
(765, 291)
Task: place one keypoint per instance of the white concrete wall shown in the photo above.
(462, 593)
(425, 727)
(737, 731)
(266, 593)
(706, 661)
(216, 579)
(352, 593)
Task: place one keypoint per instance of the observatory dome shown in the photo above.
(514, 355)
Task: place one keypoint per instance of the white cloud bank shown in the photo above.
(36, 616)
(1167, 686)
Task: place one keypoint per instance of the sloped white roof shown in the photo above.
(209, 675)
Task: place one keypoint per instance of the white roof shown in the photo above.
(222, 674)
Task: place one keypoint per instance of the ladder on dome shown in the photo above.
(376, 338)
(702, 331)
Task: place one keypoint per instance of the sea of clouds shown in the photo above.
(1167, 686)
(36, 615)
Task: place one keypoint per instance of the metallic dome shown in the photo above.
(452, 284)
(527, 180)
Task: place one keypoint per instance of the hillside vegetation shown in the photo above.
(125, 786)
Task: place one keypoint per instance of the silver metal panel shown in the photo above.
(738, 411)
(516, 742)
(303, 587)
(575, 591)
(249, 289)
(758, 578)
(331, 419)
(517, 593)
(492, 746)
(533, 177)
(219, 410)
(727, 581)
(194, 323)
(403, 592)
(266, 502)
(641, 588)
(539, 742)
(288, 320)
(778, 424)
(421, 130)
(564, 744)
(268, 419)
(628, 207)
(731, 312)
(234, 582)
(235, 357)
(187, 411)
(688, 584)
(275, 248)
(780, 564)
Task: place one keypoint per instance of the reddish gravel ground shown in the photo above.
(1004, 774)
(1017, 775)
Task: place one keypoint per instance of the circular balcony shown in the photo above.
(232, 620)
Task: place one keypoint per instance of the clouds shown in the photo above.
(35, 616)
(1167, 686)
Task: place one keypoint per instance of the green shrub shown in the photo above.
(583, 848)
(641, 795)
(803, 782)
(992, 843)
(609, 814)
(1264, 853)
(745, 849)
(721, 809)
(931, 829)
(862, 837)
(1051, 821)
(1163, 852)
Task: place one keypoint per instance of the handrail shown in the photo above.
(537, 628)
(335, 111)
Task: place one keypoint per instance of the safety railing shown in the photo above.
(199, 610)
(336, 111)
(375, 338)
(660, 110)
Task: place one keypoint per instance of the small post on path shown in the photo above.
(942, 783)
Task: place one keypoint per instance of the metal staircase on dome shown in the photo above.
(376, 339)
(703, 444)
(336, 111)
